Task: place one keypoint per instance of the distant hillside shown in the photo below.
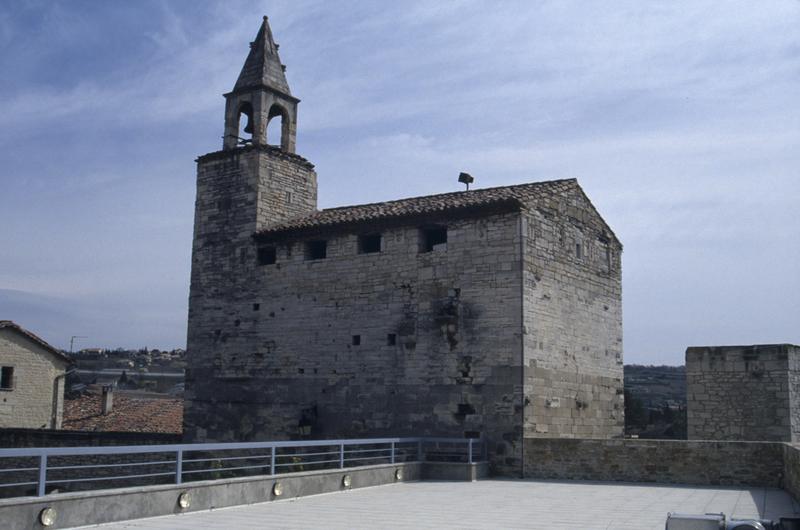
(655, 401)
(656, 386)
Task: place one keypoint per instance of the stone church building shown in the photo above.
(491, 312)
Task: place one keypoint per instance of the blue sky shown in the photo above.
(680, 120)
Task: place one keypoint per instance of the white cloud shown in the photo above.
(679, 119)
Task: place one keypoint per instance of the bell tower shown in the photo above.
(252, 183)
(260, 95)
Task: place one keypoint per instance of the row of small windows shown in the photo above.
(431, 238)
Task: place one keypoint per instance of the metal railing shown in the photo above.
(55, 469)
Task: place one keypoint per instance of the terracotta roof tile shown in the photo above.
(127, 415)
(429, 204)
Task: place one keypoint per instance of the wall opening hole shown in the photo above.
(356, 340)
(256, 307)
(391, 339)
(267, 255)
(316, 250)
(433, 238)
(369, 243)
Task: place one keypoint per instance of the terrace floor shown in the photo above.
(493, 503)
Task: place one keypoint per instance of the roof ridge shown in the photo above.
(450, 193)
(10, 324)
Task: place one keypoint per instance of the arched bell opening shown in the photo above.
(245, 124)
(278, 127)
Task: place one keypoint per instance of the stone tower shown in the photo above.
(252, 183)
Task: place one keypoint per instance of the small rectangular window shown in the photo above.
(433, 238)
(316, 250)
(267, 255)
(391, 339)
(256, 307)
(578, 251)
(7, 378)
(369, 243)
(356, 340)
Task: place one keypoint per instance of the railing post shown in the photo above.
(420, 456)
(469, 450)
(341, 456)
(179, 466)
(40, 490)
(392, 452)
(272, 461)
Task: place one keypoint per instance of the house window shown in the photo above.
(369, 243)
(267, 255)
(316, 250)
(391, 339)
(433, 238)
(7, 378)
(356, 340)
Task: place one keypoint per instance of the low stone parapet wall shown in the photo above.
(791, 469)
(662, 461)
(102, 506)
(61, 438)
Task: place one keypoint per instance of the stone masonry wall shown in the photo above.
(29, 404)
(399, 342)
(742, 392)
(27, 467)
(794, 391)
(662, 461)
(791, 469)
(573, 321)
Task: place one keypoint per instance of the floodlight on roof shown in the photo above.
(465, 178)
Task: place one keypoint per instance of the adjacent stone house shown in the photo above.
(743, 392)
(492, 312)
(32, 376)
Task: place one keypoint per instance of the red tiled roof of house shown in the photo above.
(127, 415)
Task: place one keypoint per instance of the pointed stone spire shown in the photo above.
(263, 65)
(260, 95)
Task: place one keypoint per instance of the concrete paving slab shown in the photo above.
(487, 504)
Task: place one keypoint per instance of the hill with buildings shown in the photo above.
(655, 401)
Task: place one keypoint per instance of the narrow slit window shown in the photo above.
(356, 340)
(369, 243)
(267, 255)
(433, 238)
(7, 378)
(316, 250)
(578, 251)
(391, 339)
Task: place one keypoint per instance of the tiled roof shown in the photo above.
(127, 415)
(429, 204)
(8, 324)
